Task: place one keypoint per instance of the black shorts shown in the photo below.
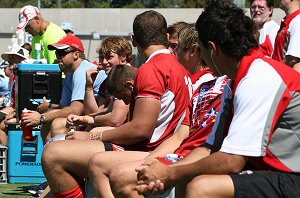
(112, 147)
(267, 184)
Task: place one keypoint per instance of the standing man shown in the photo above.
(261, 12)
(71, 59)
(265, 126)
(286, 48)
(43, 32)
(161, 93)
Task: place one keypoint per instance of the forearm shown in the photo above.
(109, 119)
(115, 117)
(126, 134)
(54, 106)
(172, 143)
(63, 113)
(216, 163)
(195, 155)
(89, 103)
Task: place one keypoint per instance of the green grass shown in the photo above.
(14, 191)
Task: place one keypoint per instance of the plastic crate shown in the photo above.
(3, 164)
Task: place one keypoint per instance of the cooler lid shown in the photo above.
(38, 67)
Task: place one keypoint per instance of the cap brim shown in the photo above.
(5, 56)
(22, 25)
(57, 46)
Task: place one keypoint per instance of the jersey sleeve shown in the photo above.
(149, 83)
(254, 103)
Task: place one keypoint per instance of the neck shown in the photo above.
(76, 64)
(145, 53)
(44, 26)
(234, 65)
(292, 9)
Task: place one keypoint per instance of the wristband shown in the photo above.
(85, 119)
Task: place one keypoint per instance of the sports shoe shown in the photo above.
(34, 189)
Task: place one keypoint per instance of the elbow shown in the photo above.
(236, 163)
(117, 121)
(141, 131)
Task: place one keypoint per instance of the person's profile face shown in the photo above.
(183, 56)
(109, 60)
(173, 42)
(32, 27)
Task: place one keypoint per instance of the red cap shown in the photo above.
(66, 42)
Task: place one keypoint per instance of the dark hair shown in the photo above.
(176, 27)
(27, 46)
(270, 4)
(117, 77)
(227, 25)
(150, 28)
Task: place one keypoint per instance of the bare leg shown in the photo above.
(45, 128)
(64, 162)
(123, 179)
(3, 137)
(101, 163)
(217, 186)
(58, 127)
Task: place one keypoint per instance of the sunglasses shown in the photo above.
(63, 53)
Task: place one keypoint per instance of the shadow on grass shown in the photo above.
(14, 192)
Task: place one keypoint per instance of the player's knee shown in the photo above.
(94, 164)
(50, 155)
(198, 187)
(118, 182)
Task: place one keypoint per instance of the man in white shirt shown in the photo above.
(261, 12)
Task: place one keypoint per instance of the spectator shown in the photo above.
(71, 58)
(4, 88)
(173, 34)
(162, 86)
(285, 49)
(107, 110)
(207, 94)
(4, 92)
(261, 12)
(28, 47)
(264, 118)
(16, 55)
(43, 31)
(68, 28)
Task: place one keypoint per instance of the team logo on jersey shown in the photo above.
(209, 117)
(203, 90)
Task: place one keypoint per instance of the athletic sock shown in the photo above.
(73, 193)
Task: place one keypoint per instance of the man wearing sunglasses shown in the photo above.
(71, 59)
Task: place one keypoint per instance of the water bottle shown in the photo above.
(27, 131)
(37, 51)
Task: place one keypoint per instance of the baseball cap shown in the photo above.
(4, 64)
(17, 51)
(67, 26)
(27, 13)
(67, 41)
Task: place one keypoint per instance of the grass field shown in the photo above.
(14, 191)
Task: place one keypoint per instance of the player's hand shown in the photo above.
(78, 135)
